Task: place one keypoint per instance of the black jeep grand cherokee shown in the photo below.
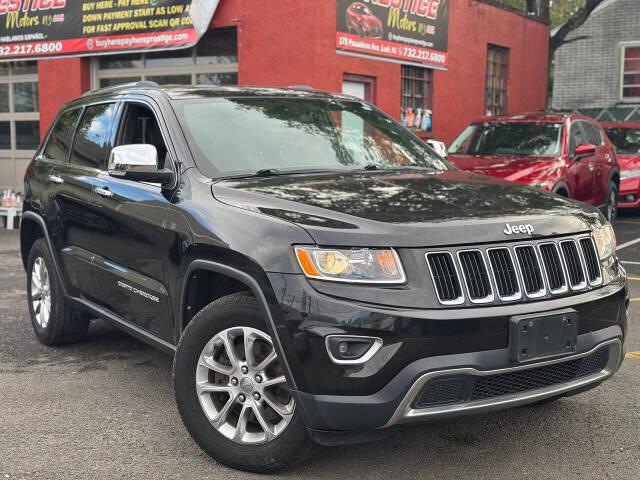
(319, 273)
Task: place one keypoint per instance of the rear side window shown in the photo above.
(59, 142)
(593, 133)
(94, 138)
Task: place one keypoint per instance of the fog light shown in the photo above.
(630, 198)
(351, 349)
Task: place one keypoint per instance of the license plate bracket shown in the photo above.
(543, 335)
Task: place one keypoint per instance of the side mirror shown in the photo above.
(584, 150)
(439, 147)
(138, 162)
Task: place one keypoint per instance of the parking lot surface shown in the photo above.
(104, 409)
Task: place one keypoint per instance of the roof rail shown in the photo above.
(144, 83)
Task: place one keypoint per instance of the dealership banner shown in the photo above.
(406, 31)
(53, 28)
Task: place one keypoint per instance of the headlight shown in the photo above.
(605, 240)
(630, 173)
(543, 184)
(357, 265)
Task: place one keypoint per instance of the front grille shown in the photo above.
(553, 267)
(466, 388)
(531, 274)
(504, 273)
(574, 265)
(445, 277)
(515, 272)
(591, 260)
(444, 391)
(593, 363)
(475, 275)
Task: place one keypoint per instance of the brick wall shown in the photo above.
(587, 71)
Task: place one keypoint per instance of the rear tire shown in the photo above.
(611, 205)
(215, 390)
(53, 320)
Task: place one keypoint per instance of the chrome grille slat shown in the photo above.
(591, 261)
(530, 270)
(504, 273)
(444, 274)
(573, 262)
(476, 276)
(510, 272)
(552, 264)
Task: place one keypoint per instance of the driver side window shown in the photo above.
(140, 125)
(576, 137)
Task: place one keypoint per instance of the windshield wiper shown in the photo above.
(273, 172)
(267, 172)
(375, 166)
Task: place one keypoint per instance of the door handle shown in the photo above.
(103, 192)
(55, 179)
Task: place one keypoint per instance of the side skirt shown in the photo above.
(124, 325)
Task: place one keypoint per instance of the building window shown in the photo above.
(417, 87)
(213, 61)
(497, 80)
(19, 120)
(631, 72)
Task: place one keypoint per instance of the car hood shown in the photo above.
(629, 162)
(406, 208)
(516, 168)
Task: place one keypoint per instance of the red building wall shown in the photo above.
(292, 43)
(459, 92)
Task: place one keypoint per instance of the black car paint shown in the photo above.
(158, 239)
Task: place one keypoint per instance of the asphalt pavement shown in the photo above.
(104, 409)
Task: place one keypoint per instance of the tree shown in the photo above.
(570, 14)
(563, 15)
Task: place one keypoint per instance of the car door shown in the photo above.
(130, 266)
(69, 208)
(580, 171)
(597, 162)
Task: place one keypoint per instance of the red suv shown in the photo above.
(626, 138)
(566, 154)
(363, 21)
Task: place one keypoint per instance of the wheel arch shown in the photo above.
(614, 176)
(30, 231)
(240, 281)
(29, 226)
(562, 188)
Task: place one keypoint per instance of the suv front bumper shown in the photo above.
(396, 402)
(449, 344)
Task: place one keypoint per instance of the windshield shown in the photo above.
(235, 136)
(626, 140)
(536, 139)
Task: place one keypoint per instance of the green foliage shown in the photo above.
(517, 4)
(560, 10)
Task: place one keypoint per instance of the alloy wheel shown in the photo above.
(41, 292)
(241, 387)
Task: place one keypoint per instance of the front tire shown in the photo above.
(611, 205)
(231, 392)
(53, 320)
